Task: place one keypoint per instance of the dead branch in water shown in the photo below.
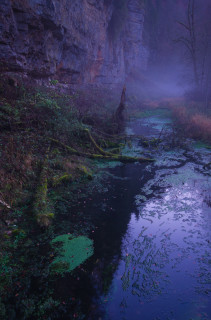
(101, 151)
(108, 156)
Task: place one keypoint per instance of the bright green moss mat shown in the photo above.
(71, 253)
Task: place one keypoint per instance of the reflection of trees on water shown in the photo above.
(154, 259)
(143, 267)
(147, 261)
(111, 217)
(109, 236)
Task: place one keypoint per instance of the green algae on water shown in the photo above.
(101, 164)
(71, 253)
(163, 113)
(201, 145)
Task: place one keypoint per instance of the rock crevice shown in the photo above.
(69, 40)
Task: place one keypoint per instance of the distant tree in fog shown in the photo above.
(196, 39)
(188, 38)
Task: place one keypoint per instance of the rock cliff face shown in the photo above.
(69, 40)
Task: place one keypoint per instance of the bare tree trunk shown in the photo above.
(190, 40)
(192, 31)
(119, 117)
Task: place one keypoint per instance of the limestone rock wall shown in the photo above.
(68, 40)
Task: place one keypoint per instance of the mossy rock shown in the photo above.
(71, 253)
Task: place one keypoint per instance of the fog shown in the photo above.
(169, 80)
(178, 34)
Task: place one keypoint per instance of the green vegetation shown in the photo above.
(201, 145)
(86, 172)
(53, 82)
(72, 253)
(49, 164)
(54, 147)
(158, 112)
(62, 179)
(37, 183)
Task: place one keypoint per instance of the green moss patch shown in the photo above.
(201, 145)
(163, 113)
(71, 253)
(66, 178)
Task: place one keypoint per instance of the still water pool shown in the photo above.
(153, 237)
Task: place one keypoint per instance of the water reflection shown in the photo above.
(165, 267)
(152, 241)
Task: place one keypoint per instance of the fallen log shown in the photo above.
(40, 205)
(101, 151)
(110, 157)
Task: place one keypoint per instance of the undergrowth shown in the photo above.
(196, 125)
(30, 117)
(192, 119)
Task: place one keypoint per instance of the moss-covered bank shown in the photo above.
(42, 182)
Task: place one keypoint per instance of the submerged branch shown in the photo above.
(110, 157)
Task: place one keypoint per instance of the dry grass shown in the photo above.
(194, 123)
(200, 127)
(188, 115)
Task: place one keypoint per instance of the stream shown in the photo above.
(152, 235)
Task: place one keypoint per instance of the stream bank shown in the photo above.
(151, 232)
(152, 237)
(150, 224)
(162, 268)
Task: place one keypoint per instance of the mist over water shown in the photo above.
(169, 80)
(105, 194)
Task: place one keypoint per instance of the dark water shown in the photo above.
(152, 238)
